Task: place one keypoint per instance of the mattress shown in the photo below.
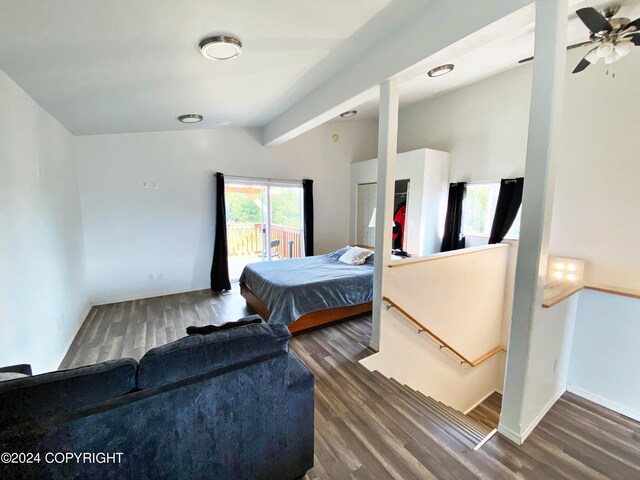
(294, 287)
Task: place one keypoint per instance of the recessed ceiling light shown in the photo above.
(190, 118)
(350, 113)
(221, 47)
(441, 70)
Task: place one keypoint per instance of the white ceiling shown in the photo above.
(112, 66)
(503, 44)
(133, 65)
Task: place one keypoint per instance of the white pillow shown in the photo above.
(355, 256)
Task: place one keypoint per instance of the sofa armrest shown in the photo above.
(23, 368)
(298, 374)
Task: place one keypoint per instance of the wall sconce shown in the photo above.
(562, 269)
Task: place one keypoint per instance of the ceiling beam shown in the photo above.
(441, 23)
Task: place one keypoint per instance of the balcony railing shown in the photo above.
(247, 240)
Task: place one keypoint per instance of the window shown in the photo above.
(264, 221)
(479, 209)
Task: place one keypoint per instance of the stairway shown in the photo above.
(454, 423)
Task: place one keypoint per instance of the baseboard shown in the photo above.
(616, 407)
(130, 298)
(466, 412)
(519, 439)
(76, 329)
(527, 431)
(509, 434)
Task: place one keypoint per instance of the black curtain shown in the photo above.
(307, 192)
(453, 238)
(509, 200)
(220, 266)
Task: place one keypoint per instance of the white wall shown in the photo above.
(484, 128)
(551, 337)
(458, 296)
(42, 294)
(131, 232)
(605, 354)
(596, 198)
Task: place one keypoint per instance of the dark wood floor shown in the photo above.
(488, 412)
(129, 329)
(365, 427)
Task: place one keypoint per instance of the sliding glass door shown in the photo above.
(264, 222)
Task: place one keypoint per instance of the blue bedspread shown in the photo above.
(293, 287)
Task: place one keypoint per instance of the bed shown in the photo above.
(305, 293)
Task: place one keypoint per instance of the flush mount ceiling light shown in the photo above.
(350, 113)
(441, 70)
(221, 47)
(190, 118)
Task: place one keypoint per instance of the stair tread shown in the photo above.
(422, 411)
(453, 416)
(454, 411)
(465, 429)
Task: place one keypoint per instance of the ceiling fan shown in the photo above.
(611, 37)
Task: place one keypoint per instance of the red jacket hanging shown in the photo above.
(398, 226)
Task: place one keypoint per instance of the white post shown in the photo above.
(387, 152)
(546, 104)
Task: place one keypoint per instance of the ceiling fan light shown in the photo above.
(613, 58)
(605, 49)
(624, 47)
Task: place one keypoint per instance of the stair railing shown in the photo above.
(443, 345)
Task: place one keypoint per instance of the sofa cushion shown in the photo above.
(41, 395)
(241, 322)
(196, 354)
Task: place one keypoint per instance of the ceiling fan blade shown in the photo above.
(570, 47)
(578, 45)
(588, 59)
(635, 23)
(594, 20)
(581, 66)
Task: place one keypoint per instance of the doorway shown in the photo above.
(264, 222)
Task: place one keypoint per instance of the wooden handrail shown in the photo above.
(556, 292)
(443, 344)
(444, 255)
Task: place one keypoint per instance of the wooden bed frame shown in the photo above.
(308, 321)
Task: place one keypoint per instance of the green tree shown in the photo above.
(285, 207)
(242, 209)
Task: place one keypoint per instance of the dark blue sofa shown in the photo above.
(234, 404)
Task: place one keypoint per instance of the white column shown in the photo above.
(387, 152)
(546, 104)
